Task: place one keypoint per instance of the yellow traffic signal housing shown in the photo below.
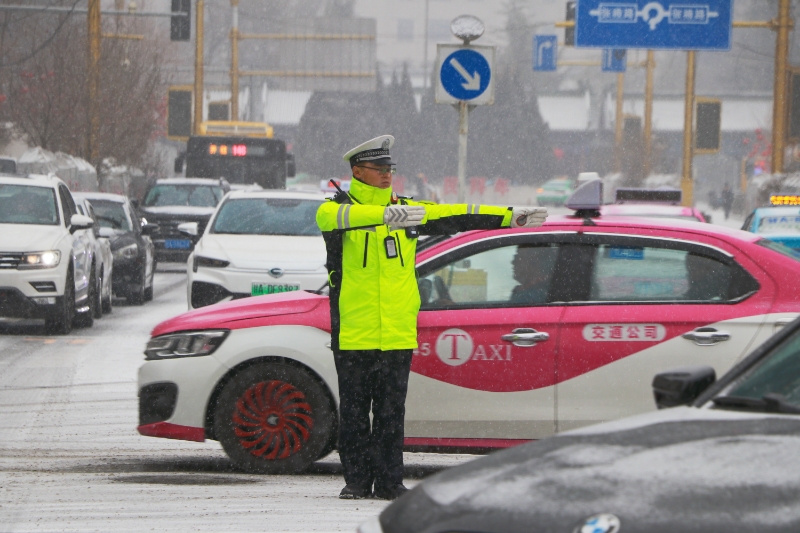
(179, 112)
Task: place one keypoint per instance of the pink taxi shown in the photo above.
(522, 334)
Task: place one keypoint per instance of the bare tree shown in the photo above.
(46, 95)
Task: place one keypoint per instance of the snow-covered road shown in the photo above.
(71, 459)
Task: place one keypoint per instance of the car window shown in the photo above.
(512, 276)
(188, 195)
(268, 216)
(777, 374)
(111, 215)
(652, 274)
(24, 204)
(779, 224)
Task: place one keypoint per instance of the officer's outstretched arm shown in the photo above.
(333, 216)
(447, 219)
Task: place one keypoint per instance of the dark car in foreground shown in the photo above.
(725, 459)
(174, 201)
(133, 251)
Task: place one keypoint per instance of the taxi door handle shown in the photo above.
(525, 337)
(707, 336)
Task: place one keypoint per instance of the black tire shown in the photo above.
(98, 296)
(148, 292)
(86, 319)
(108, 302)
(60, 321)
(136, 297)
(285, 431)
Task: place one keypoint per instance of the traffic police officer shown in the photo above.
(371, 239)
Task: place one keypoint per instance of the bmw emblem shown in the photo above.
(599, 523)
(276, 272)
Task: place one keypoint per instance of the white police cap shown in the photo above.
(374, 151)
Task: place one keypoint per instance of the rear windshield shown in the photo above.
(780, 248)
(189, 195)
(111, 215)
(268, 216)
(779, 224)
(26, 204)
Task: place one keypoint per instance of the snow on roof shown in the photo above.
(286, 107)
(300, 195)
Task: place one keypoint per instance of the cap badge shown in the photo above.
(599, 523)
(385, 144)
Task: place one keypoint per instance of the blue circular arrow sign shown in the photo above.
(465, 74)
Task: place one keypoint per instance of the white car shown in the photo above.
(104, 259)
(257, 243)
(46, 254)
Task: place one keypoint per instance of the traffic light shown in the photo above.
(794, 105)
(180, 27)
(179, 112)
(708, 113)
(569, 33)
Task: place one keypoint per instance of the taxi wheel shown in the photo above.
(273, 419)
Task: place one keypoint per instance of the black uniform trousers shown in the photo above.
(378, 380)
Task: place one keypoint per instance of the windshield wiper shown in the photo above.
(769, 403)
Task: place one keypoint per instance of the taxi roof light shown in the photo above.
(664, 195)
(784, 199)
(587, 199)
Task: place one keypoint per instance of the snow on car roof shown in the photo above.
(656, 224)
(101, 196)
(40, 180)
(300, 195)
(189, 181)
(647, 209)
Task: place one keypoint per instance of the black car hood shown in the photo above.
(716, 471)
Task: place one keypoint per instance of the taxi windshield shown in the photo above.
(779, 224)
(189, 195)
(268, 216)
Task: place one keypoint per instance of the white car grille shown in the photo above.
(9, 260)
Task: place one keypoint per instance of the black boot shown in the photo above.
(392, 492)
(356, 491)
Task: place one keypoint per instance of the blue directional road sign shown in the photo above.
(545, 53)
(660, 25)
(614, 59)
(465, 74)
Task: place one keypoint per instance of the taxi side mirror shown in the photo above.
(682, 386)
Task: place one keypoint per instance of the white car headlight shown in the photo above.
(48, 259)
(190, 344)
(127, 252)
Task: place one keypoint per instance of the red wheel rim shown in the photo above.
(272, 420)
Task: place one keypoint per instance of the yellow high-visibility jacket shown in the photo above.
(374, 298)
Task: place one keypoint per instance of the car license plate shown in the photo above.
(258, 289)
(179, 244)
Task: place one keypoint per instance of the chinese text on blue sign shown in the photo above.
(654, 25)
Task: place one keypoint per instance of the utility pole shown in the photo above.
(687, 182)
(94, 81)
(648, 112)
(235, 60)
(198, 67)
(425, 50)
(782, 25)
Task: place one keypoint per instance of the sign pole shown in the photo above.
(648, 112)
(235, 60)
(687, 183)
(618, 121)
(198, 68)
(94, 82)
(784, 24)
(463, 130)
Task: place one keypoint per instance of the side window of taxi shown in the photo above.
(653, 274)
(508, 276)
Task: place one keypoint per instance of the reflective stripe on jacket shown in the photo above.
(374, 298)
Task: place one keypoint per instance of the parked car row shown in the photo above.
(63, 257)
